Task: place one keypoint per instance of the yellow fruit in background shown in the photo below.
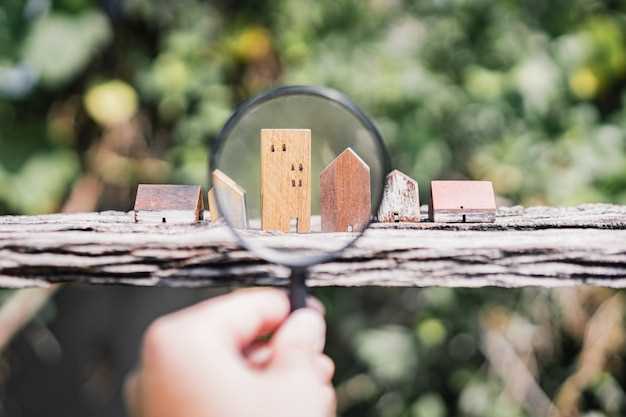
(252, 44)
(584, 83)
(111, 103)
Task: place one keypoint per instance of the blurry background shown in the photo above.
(96, 96)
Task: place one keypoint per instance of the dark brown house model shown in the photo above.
(157, 203)
(345, 194)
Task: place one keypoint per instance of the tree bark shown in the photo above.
(542, 246)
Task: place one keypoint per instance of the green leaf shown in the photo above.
(60, 46)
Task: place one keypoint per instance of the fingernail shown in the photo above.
(316, 304)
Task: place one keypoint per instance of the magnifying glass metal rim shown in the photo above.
(275, 256)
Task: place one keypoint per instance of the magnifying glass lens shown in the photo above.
(297, 174)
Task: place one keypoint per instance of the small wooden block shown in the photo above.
(462, 202)
(165, 203)
(213, 210)
(345, 194)
(232, 200)
(286, 179)
(401, 200)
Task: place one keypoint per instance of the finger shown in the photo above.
(300, 339)
(326, 368)
(258, 355)
(243, 316)
(329, 401)
(315, 304)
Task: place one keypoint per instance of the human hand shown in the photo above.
(207, 361)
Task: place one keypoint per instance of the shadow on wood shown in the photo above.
(286, 179)
(401, 202)
(345, 194)
(166, 203)
(232, 200)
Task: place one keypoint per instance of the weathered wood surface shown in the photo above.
(533, 246)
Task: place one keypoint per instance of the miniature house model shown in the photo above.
(462, 202)
(286, 180)
(156, 203)
(232, 200)
(401, 201)
(345, 194)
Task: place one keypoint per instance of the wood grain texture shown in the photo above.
(232, 200)
(540, 246)
(285, 179)
(401, 201)
(462, 202)
(168, 203)
(345, 194)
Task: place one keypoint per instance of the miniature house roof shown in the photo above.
(232, 198)
(219, 176)
(158, 197)
(398, 172)
(462, 195)
(348, 153)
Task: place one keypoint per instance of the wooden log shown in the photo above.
(345, 194)
(541, 246)
(286, 179)
(167, 203)
(462, 202)
(232, 200)
(401, 200)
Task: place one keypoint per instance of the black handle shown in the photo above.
(297, 288)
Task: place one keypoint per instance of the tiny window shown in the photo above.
(293, 183)
(301, 168)
(299, 183)
(293, 168)
(284, 147)
(272, 148)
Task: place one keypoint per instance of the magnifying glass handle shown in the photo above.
(297, 288)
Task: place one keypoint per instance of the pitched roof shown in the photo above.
(168, 197)
(219, 175)
(346, 153)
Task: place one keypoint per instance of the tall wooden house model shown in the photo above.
(286, 179)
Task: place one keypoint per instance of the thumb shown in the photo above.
(300, 339)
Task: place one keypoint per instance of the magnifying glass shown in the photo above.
(297, 173)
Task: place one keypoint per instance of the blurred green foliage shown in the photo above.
(528, 94)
